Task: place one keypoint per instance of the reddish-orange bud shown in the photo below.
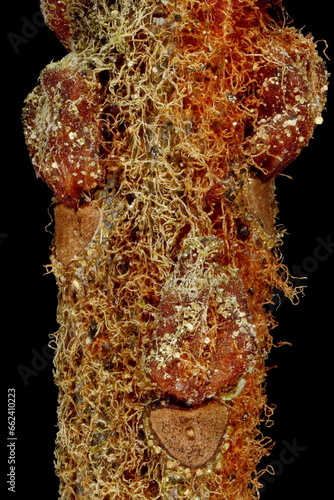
(291, 92)
(204, 339)
(62, 127)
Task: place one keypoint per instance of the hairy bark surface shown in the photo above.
(161, 134)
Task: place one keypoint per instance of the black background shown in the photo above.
(301, 385)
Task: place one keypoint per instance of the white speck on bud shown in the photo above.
(318, 120)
